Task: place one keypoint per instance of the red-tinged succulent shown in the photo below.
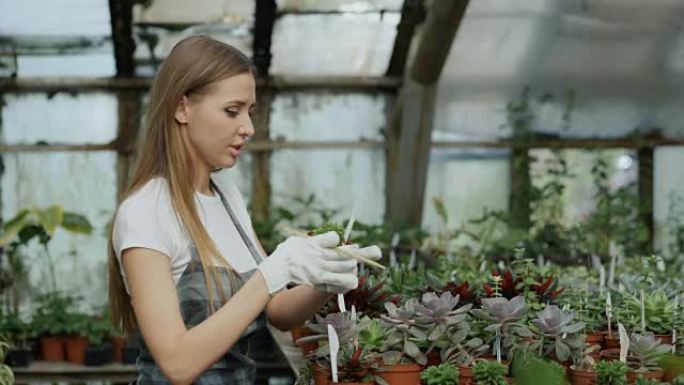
(368, 298)
(510, 285)
(466, 293)
(547, 289)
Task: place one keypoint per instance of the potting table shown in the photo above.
(41, 371)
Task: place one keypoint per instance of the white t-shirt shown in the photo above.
(147, 219)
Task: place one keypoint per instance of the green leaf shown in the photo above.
(12, 227)
(76, 223)
(50, 218)
(440, 208)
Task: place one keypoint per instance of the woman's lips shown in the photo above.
(236, 150)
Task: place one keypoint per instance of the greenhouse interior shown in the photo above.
(435, 192)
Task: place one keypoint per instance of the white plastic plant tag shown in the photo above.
(393, 245)
(643, 313)
(611, 270)
(609, 314)
(341, 304)
(624, 343)
(334, 344)
(412, 260)
(602, 277)
(353, 313)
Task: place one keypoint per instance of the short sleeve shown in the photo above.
(138, 224)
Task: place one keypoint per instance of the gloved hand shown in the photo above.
(370, 252)
(310, 261)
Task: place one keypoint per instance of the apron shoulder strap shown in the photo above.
(256, 255)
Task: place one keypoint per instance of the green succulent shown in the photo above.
(611, 373)
(443, 374)
(489, 373)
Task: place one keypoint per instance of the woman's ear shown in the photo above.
(181, 114)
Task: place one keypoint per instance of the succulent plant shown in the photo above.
(611, 373)
(346, 328)
(504, 315)
(404, 334)
(501, 311)
(489, 373)
(443, 374)
(565, 337)
(368, 298)
(645, 351)
(466, 293)
(438, 313)
(372, 337)
(460, 348)
(659, 312)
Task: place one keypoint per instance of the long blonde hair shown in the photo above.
(192, 65)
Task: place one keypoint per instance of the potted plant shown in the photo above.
(19, 336)
(645, 353)
(489, 373)
(77, 337)
(659, 314)
(401, 355)
(462, 349)
(442, 374)
(504, 316)
(368, 298)
(99, 351)
(589, 308)
(51, 321)
(438, 316)
(559, 337)
(611, 373)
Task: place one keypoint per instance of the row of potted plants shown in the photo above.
(397, 347)
(58, 332)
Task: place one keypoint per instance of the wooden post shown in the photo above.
(409, 134)
(645, 191)
(264, 16)
(121, 13)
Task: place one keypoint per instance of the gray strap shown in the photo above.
(256, 255)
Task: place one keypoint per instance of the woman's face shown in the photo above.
(218, 121)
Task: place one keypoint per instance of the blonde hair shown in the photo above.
(192, 65)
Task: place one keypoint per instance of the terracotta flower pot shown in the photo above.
(118, 344)
(582, 377)
(402, 374)
(465, 375)
(656, 375)
(664, 338)
(594, 339)
(76, 349)
(612, 342)
(320, 374)
(354, 383)
(300, 332)
(52, 348)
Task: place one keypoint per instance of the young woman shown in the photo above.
(187, 273)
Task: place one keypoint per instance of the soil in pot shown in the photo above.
(401, 374)
(52, 348)
(612, 342)
(99, 355)
(76, 349)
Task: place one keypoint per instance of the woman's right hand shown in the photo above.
(312, 261)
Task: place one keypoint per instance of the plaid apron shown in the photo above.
(235, 367)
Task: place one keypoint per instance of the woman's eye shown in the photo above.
(232, 112)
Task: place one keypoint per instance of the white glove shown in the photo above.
(370, 252)
(310, 261)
